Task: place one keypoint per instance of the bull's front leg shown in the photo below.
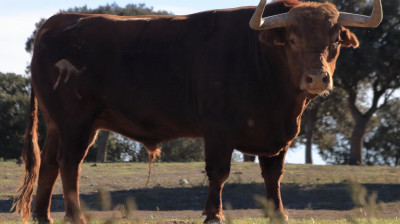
(272, 171)
(218, 161)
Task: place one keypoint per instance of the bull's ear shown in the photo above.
(348, 39)
(272, 37)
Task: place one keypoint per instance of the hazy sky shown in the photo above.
(18, 18)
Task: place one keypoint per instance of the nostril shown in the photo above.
(325, 80)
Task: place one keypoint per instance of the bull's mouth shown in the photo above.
(317, 84)
(318, 92)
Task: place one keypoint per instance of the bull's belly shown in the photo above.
(148, 129)
(260, 151)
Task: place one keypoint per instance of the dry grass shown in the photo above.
(116, 192)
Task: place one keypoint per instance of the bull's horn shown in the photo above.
(348, 19)
(259, 23)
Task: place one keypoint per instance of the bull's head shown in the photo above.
(312, 34)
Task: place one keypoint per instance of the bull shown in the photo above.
(157, 78)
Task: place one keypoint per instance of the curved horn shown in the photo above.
(259, 23)
(349, 19)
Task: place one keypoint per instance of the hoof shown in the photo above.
(280, 216)
(219, 218)
(214, 221)
(76, 220)
(284, 216)
(42, 219)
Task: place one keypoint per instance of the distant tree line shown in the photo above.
(358, 123)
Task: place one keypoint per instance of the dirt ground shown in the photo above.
(308, 192)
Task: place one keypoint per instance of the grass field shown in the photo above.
(311, 194)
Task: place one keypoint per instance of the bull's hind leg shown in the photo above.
(272, 171)
(75, 142)
(47, 177)
(218, 162)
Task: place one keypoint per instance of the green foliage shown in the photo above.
(119, 148)
(115, 9)
(377, 59)
(183, 150)
(375, 67)
(383, 146)
(331, 123)
(30, 41)
(14, 104)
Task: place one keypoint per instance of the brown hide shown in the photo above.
(157, 78)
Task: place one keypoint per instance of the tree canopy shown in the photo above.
(14, 104)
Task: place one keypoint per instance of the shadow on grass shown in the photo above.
(239, 196)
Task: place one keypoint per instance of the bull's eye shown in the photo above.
(337, 41)
(292, 41)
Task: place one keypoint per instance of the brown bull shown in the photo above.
(157, 78)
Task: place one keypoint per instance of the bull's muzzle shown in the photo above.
(316, 82)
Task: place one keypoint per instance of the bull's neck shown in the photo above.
(275, 75)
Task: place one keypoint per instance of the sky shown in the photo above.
(18, 18)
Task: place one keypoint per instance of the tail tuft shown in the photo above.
(31, 158)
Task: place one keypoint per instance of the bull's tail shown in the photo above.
(31, 157)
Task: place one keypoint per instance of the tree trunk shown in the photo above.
(102, 141)
(249, 158)
(310, 119)
(361, 121)
(309, 139)
(357, 140)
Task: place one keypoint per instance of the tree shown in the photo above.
(180, 150)
(383, 145)
(183, 150)
(248, 158)
(325, 124)
(309, 120)
(14, 104)
(102, 143)
(119, 148)
(375, 66)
